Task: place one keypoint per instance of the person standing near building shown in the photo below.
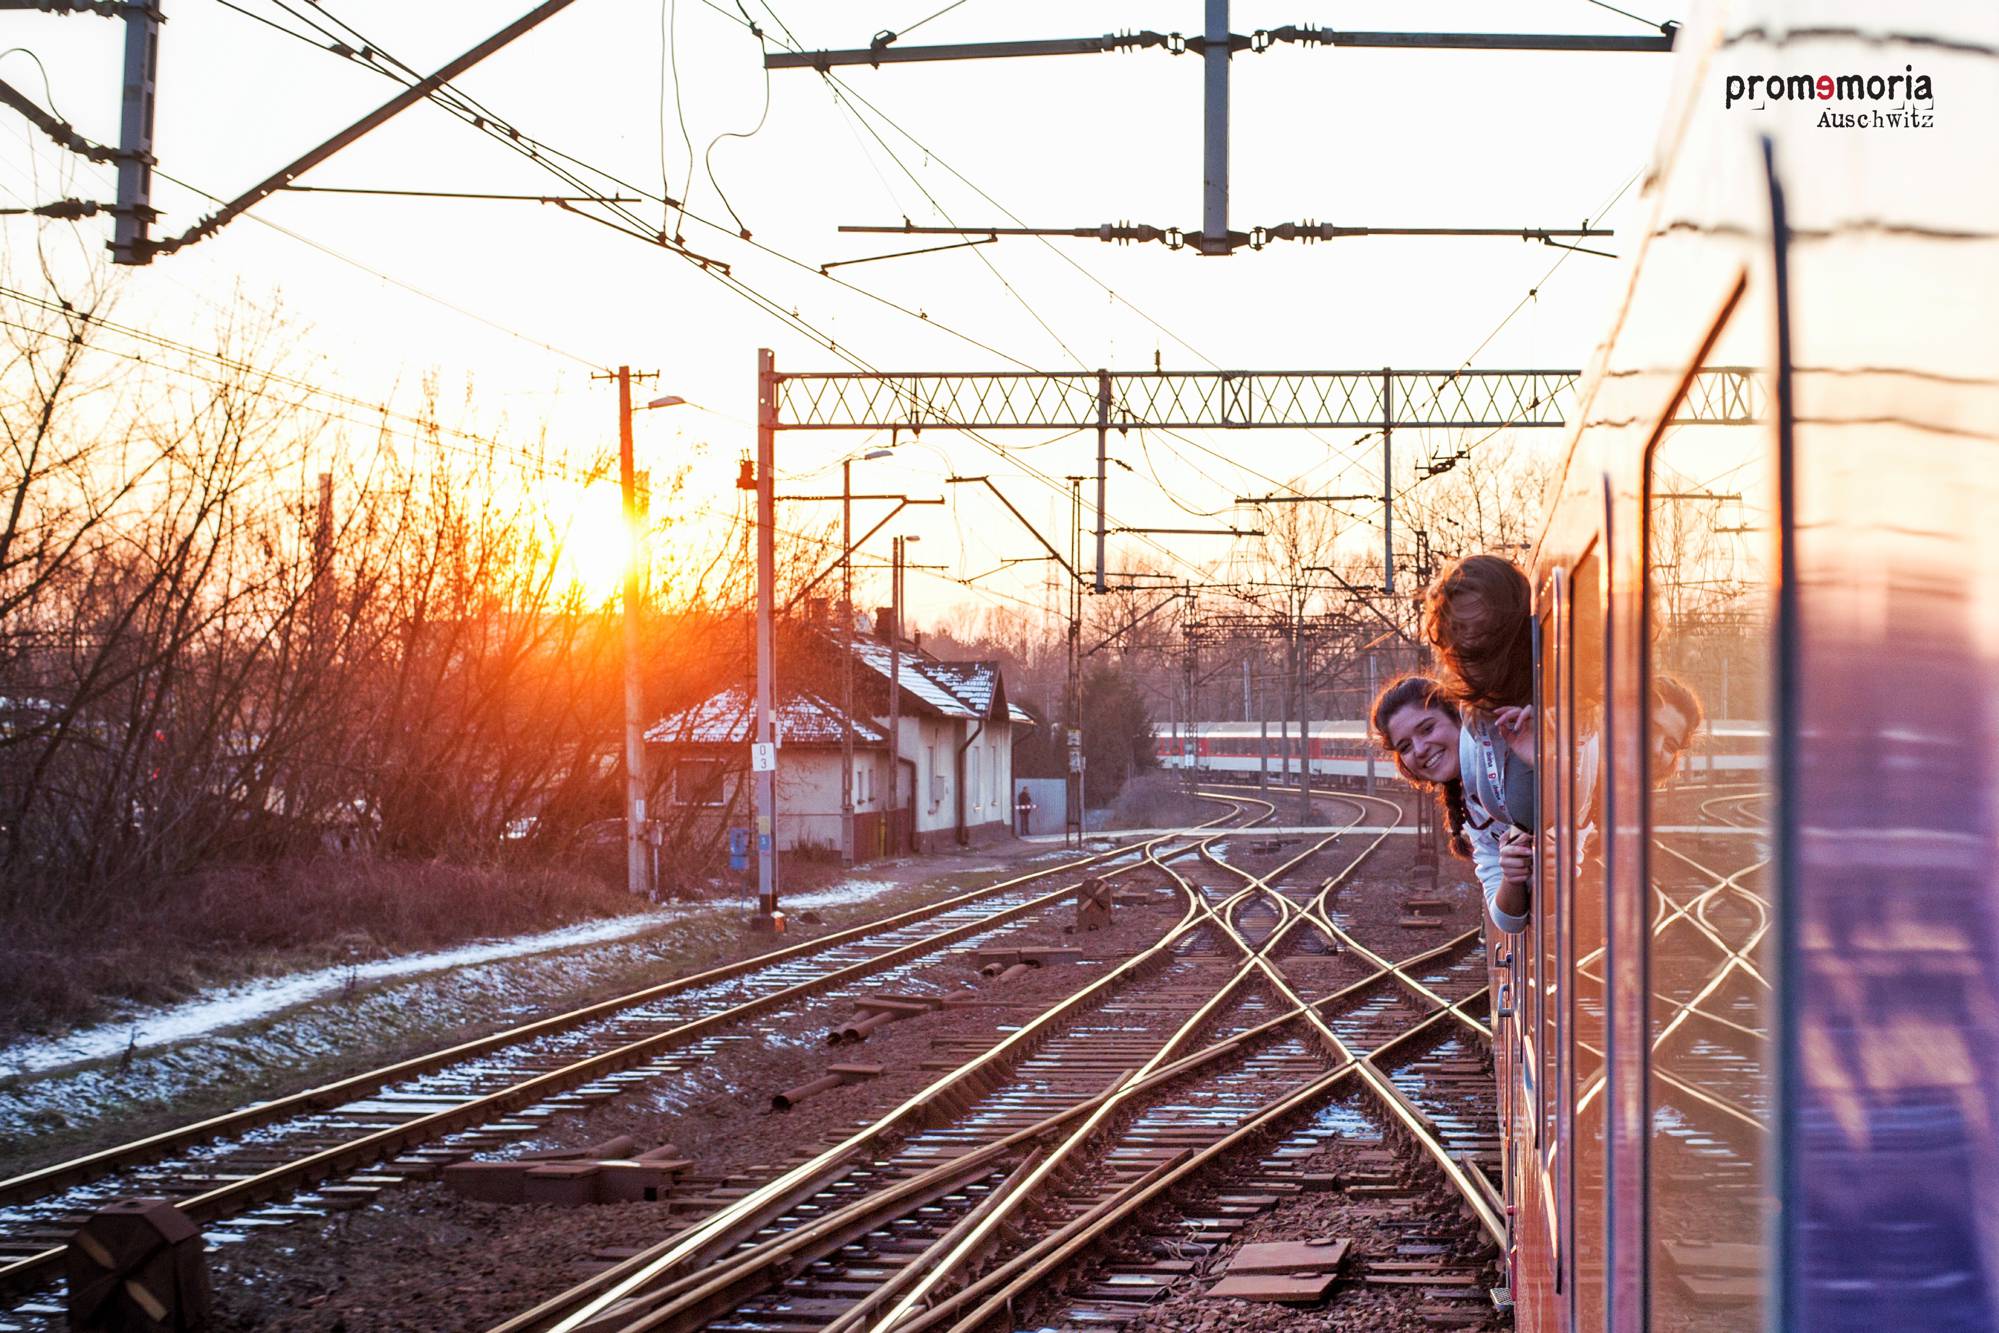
(1023, 812)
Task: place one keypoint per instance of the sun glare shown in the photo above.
(587, 524)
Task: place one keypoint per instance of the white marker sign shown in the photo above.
(763, 758)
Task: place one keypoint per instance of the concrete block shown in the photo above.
(566, 1183)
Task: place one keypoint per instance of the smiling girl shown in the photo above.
(1417, 723)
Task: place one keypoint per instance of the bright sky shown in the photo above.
(1352, 137)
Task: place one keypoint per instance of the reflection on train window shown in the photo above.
(1550, 704)
(1707, 721)
(1586, 938)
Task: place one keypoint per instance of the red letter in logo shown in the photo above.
(1825, 87)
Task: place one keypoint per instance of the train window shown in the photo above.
(1585, 938)
(1710, 1010)
(1548, 857)
(1551, 764)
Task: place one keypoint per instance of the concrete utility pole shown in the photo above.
(635, 790)
(638, 877)
(767, 917)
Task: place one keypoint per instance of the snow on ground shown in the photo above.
(234, 1006)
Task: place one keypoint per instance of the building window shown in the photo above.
(699, 782)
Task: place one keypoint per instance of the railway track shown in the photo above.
(336, 1146)
(1196, 1077)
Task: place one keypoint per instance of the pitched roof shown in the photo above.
(915, 674)
(804, 717)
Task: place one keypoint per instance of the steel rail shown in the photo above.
(715, 1233)
(291, 1177)
(92, 1166)
(1413, 1120)
(941, 1266)
(997, 1289)
(790, 1251)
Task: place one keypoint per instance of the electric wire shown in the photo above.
(938, 15)
(1656, 27)
(244, 368)
(372, 272)
(669, 43)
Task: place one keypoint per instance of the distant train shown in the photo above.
(1727, 750)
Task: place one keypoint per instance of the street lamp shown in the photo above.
(637, 879)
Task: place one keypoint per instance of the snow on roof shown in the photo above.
(806, 717)
(914, 674)
(803, 718)
(971, 682)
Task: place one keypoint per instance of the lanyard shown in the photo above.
(1483, 732)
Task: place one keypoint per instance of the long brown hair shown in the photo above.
(1423, 692)
(1477, 617)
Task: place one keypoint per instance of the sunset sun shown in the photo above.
(587, 535)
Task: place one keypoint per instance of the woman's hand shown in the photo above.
(1516, 724)
(1516, 857)
(1516, 872)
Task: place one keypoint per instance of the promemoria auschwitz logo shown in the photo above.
(1897, 101)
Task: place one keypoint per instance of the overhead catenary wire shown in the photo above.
(540, 153)
(636, 228)
(380, 412)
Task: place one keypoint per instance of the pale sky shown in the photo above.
(1356, 137)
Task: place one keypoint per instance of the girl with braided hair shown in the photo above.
(1417, 722)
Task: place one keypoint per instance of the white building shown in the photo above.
(952, 758)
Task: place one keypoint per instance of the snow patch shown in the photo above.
(247, 1003)
(853, 891)
(234, 1006)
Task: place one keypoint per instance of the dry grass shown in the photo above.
(229, 924)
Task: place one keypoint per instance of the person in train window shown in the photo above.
(1418, 724)
(1478, 617)
(1677, 716)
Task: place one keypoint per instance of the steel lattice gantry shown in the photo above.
(1218, 399)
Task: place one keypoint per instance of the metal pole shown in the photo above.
(1304, 725)
(1215, 142)
(1075, 721)
(635, 791)
(1387, 491)
(1190, 668)
(1365, 709)
(895, 696)
(1262, 740)
(847, 661)
(1103, 439)
(131, 235)
(767, 917)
